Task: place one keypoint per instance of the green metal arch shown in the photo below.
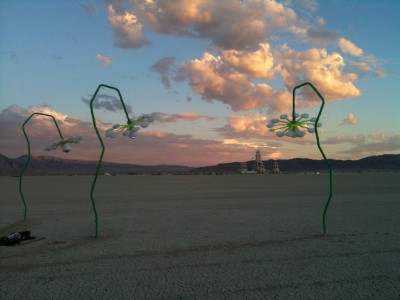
(319, 146)
(29, 154)
(102, 146)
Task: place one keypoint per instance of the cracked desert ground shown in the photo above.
(203, 237)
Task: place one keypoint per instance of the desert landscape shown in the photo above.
(203, 237)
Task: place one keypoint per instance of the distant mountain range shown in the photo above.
(45, 165)
(381, 163)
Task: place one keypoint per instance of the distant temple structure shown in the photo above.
(243, 168)
(258, 163)
(275, 168)
(259, 167)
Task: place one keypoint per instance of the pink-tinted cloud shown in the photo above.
(179, 117)
(105, 60)
(240, 54)
(315, 65)
(127, 28)
(350, 120)
(215, 79)
(390, 144)
(151, 147)
(247, 126)
(349, 47)
(228, 24)
(258, 63)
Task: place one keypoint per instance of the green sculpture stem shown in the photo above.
(319, 146)
(29, 155)
(102, 147)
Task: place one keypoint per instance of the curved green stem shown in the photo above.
(102, 147)
(319, 147)
(29, 155)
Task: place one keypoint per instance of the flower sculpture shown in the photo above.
(296, 127)
(130, 130)
(64, 143)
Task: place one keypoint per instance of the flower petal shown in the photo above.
(274, 120)
(313, 119)
(52, 147)
(311, 130)
(270, 125)
(66, 148)
(284, 116)
(299, 133)
(304, 116)
(74, 139)
(289, 133)
(111, 133)
(144, 124)
(280, 133)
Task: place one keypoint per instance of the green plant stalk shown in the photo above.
(102, 148)
(29, 155)
(319, 147)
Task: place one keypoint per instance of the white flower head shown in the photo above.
(295, 127)
(64, 144)
(130, 130)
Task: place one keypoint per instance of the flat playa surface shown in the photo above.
(203, 237)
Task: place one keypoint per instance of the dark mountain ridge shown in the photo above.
(381, 163)
(46, 165)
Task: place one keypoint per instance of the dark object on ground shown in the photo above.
(16, 238)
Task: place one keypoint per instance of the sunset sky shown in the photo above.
(215, 72)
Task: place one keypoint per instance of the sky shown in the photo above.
(213, 72)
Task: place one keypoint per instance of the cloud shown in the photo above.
(378, 136)
(241, 54)
(357, 139)
(127, 28)
(228, 24)
(321, 21)
(41, 131)
(308, 5)
(316, 65)
(215, 79)
(179, 117)
(350, 120)
(321, 36)
(163, 67)
(90, 8)
(246, 126)
(150, 148)
(105, 60)
(258, 63)
(13, 55)
(380, 74)
(348, 47)
(107, 102)
(391, 144)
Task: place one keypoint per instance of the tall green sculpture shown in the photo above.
(129, 130)
(294, 126)
(63, 143)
